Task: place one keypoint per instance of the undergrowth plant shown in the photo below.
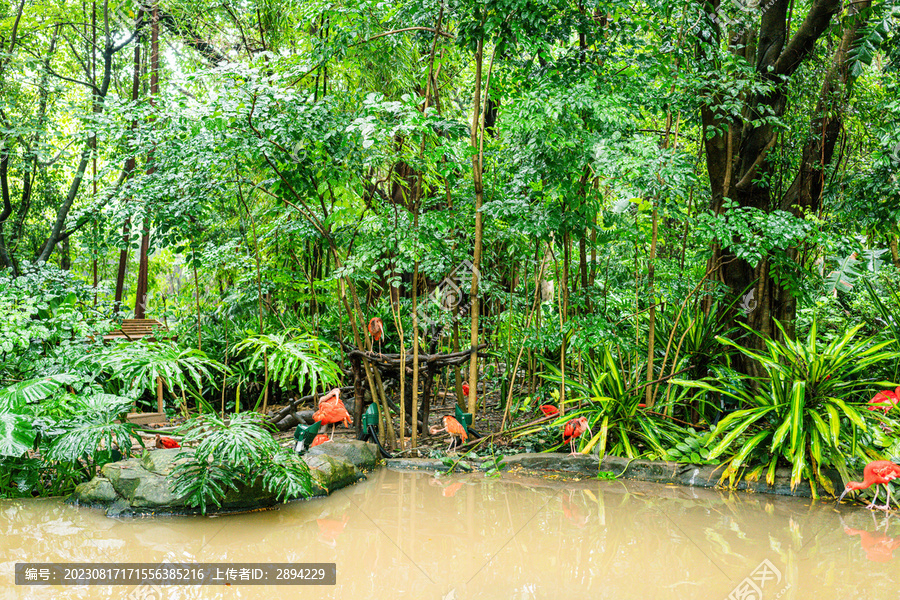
(620, 425)
(56, 432)
(292, 358)
(133, 368)
(229, 454)
(802, 413)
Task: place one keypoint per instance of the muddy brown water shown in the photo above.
(411, 535)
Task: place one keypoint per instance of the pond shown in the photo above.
(412, 535)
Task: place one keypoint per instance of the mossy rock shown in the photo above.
(96, 491)
(330, 473)
(139, 486)
(363, 455)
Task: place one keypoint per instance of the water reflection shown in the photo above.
(875, 541)
(415, 535)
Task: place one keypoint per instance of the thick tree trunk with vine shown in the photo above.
(738, 152)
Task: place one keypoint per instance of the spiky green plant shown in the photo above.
(803, 412)
(620, 427)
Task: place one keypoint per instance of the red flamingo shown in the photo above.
(166, 442)
(332, 411)
(877, 472)
(376, 330)
(885, 400)
(549, 410)
(575, 429)
(454, 428)
(320, 439)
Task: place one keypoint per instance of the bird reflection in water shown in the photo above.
(447, 491)
(330, 529)
(877, 544)
(573, 511)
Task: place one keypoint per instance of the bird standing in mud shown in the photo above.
(454, 428)
(376, 330)
(877, 472)
(332, 411)
(574, 430)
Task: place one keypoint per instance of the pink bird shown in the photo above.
(166, 442)
(549, 410)
(877, 472)
(454, 428)
(320, 439)
(332, 411)
(574, 430)
(885, 401)
(376, 329)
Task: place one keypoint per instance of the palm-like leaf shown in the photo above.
(16, 434)
(15, 397)
(138, 365)
(230, 453)
(95, 427)
(292, 357)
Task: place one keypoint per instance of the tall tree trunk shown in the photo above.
(130, 166)
(140, 298)
(476, 253)
(99, 98)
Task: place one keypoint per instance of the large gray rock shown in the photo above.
(96, 491)
(162, 461)
(363, 455)
(330, 473)
(139, 486)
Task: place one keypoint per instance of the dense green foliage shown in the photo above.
(626, 184)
